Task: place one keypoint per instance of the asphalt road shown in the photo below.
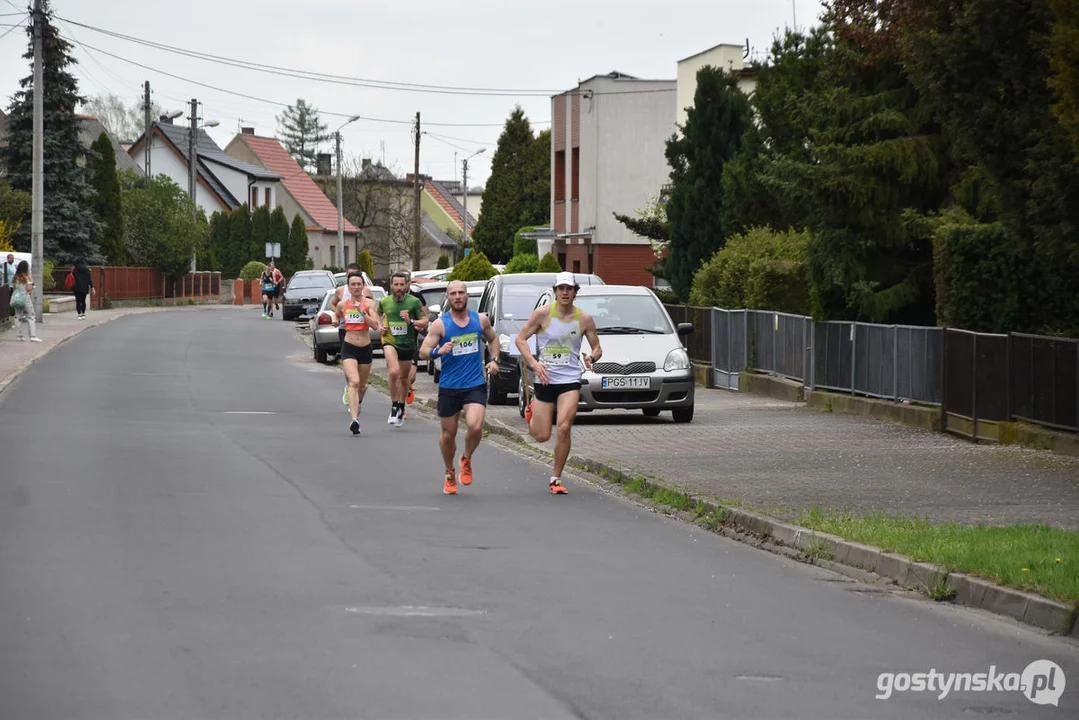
(166, 554)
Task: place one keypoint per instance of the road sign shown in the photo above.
(273, 250)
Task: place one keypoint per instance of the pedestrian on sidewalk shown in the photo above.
(457, 336)
(84, 285)
(23, 302)
(559, 329)
(7, 271)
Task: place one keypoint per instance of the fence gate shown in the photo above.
(729, 357)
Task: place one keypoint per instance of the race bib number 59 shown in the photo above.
(466, 344)
(555, 355)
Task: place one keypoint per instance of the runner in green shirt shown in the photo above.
(404, 316)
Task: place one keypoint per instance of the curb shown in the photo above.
(830, 551)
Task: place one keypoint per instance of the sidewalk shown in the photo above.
(782, 458)
(16, 356)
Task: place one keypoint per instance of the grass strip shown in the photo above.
(1035, 558)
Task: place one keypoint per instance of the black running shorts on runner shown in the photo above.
(404, 354)
(362, 355)
(451, 402)
(550, 393)
(272, 293)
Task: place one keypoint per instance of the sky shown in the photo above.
(522, 53)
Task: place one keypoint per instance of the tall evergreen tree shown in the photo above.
(518, 190)
(297, 244)
(71, 229)
(301, 130)
(711, 137)
(279, 236)
(239, 247)
(1064, 61)
(101, 165)
(217, 243)
(260, 233)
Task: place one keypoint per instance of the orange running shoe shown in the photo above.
(528, 412)
(557, 488)
(466, 471)
(450, 486)
(411, 396)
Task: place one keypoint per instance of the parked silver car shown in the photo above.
(644, 365)
(325, 340)
(303, 293)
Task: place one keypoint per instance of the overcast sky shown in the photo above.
(535, 49)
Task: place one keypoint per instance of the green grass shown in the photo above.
(1036, 558)
(818, 550)
(715, 518)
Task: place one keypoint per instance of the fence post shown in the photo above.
(944, 380)
(853, 356)
(1008, 389)
(895, 364)
(974, 385)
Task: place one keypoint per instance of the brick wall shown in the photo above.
(578, 253)
(623, 264)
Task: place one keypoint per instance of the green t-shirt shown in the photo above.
(399, 332)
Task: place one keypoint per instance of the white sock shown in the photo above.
(555, 481)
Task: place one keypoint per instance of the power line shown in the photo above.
(10, 30)
(324, 77)
(16, 7)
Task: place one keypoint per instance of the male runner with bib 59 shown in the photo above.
(559, 329)
(457, 336)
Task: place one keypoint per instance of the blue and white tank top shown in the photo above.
(463, 367)
(559, 346)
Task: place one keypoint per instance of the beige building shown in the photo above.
(730, 58)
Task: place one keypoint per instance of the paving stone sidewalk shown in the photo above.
(783, 458)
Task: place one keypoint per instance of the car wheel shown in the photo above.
(431, 367)
(437, 373)
(494, 397)
(683, 414)
(321, 355)
(650, 412)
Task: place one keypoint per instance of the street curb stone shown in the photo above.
(783, 537)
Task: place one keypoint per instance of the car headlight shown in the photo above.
(504, 343)
(677, 359)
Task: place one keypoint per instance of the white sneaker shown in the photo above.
(400, 420)
(82, 317)
(35, 339)
(392, 420)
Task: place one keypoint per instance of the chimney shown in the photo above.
(365, 163)
(165, 120)
(247, 131)
(323, 164)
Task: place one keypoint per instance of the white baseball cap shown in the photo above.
(565, 278)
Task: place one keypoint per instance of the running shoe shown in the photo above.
(400, 415)
(450, 486)
(557, 488)
(392, 419)
(466, 471)
(354, 426)
(411, 395)
(528, 412)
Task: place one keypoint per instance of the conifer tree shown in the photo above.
(301, 130)
(101, 164)
(297, 244)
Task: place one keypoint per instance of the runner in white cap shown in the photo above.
(559, 329)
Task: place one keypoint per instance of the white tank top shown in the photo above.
(559, 345)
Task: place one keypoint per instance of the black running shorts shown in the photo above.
(362, 355)
(550, 393)
(451, 402)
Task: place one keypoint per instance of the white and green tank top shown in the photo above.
(559, 345)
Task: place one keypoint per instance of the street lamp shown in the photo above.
(464, 196)
(340, 203)
(193, 157)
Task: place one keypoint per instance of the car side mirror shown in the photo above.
(685, 328)
(436, 309)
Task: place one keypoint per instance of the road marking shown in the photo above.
(248, 412)
(415, 611)
(402, 508)
(758, 678)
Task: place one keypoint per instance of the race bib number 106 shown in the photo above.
(466, 344)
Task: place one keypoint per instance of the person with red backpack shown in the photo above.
(79, 282)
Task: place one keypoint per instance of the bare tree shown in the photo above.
(125, 122)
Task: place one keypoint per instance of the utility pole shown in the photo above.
(193, 159)
(464, 203)
(340, 208)
(37, 212)
(416, 240)
(146, 139)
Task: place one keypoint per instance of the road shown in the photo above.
(166, 553)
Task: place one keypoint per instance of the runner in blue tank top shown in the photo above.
(458, 336)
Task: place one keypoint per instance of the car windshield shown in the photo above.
(518, 301)
(307, 282)
(433, 297)
(625, 314)
(474, 302)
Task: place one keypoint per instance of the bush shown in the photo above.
(525, 246)
(443, 262)
(760, 269)
(366, 263)
(548, 263)
(474, 267)
(48, 282)
(252, 270)
(523, 263)
(978, 271)
(331, 268)
(667, 297)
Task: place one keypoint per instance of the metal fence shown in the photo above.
(974, 376)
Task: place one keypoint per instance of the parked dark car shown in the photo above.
(304, 293)
(508, 301)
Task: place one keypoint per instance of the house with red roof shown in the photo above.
(298, 193)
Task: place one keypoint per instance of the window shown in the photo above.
(347, 248)
(254, 198)
(576, 266)
(560, 176)
(576, 174)
(267, 196)
(333, 254)
(562, 259)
